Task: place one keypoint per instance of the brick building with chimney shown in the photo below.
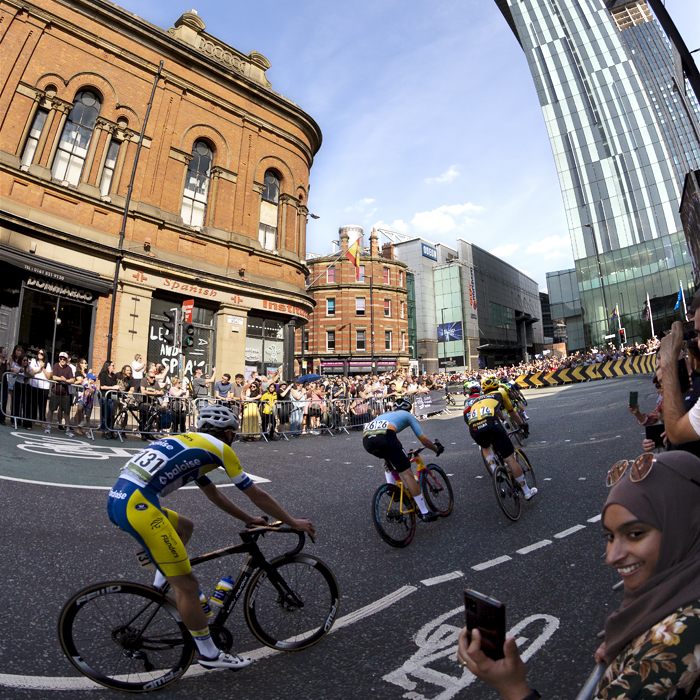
(218, 204)
(349, 314)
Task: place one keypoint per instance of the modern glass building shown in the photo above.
(621, 137)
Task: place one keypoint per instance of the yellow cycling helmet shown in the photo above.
(489, 384)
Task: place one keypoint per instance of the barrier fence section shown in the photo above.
(148, 415)
(642, 364)
(47, 403)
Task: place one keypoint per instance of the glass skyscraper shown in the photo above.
(623, 135)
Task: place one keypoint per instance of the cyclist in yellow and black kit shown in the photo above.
(487, 431)
(164, 466)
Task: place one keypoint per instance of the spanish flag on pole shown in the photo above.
(353, 255)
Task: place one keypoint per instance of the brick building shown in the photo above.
(218, 205)
(338, 337)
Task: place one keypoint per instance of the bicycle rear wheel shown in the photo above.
(524, 462)
(394, 527)
(518, 435)
(437, 490)
(292, 604)
(125, 636)
(507, 493)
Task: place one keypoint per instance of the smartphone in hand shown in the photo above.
(654, 432)
(634, 397)
(489, 617)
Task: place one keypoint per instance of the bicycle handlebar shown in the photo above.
(255, 531)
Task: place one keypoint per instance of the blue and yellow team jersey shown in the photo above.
(487, 407)
(167, 464)
(399, 419)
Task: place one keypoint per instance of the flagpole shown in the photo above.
(685, 308)
(332, 262)
(651, 319)
(619, 325)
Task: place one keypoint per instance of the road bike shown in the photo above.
(515, 431)
(129, 636)
(508, 491)
(393, 507)
(147, 416)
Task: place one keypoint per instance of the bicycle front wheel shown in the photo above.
(293, 603)
(394, 527)
(125, 636)
(524, 462)
(507, 493)
(437, 490)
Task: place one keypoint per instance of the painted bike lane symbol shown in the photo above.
(70, 447)
(437, 641)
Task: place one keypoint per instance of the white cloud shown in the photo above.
(360, 205)
(399, 225)
(504, 251)
(450, 174)
(550, 244)
(445, 218)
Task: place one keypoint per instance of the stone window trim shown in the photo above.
(206, 176)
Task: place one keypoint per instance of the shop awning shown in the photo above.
(54, 270)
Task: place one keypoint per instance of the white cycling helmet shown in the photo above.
(212, 418)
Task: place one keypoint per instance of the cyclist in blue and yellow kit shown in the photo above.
(164, 466)
(379, 439)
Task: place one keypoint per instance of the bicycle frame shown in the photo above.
(399, 482)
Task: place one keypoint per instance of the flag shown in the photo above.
(353, 255)
(647, 311)
(680, 296)
(613, 315)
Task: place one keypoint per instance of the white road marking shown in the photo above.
(480, 477)
(442, 579)
(618, 436)
(570, 531)
(543, 442)
(594, 519)
(492, 562)
(567, 440)
(225, 485)
(80, 683)
(591, 438)
(533, 547)
(437, 641)
(548, 479)
(582, 478)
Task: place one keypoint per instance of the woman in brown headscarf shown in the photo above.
(652, 643)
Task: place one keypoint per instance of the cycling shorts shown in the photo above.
(491, 433)
(138, 512)
(387, 446)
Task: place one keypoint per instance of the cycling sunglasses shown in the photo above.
(639, 470)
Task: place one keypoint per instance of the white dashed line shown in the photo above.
(547, 479)
(591, 438)
(533, 547)
(492, 562)
(543, 442)
(618, 436)
(441, 579)
(594, 519)
(567, 440)
(570, 531)
(479, 477)
(582, 478)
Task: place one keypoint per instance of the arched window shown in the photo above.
(75, 139)
(269, 209)
(194, 199)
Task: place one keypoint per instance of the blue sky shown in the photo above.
(430, 120)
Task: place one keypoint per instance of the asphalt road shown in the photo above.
(406, 605)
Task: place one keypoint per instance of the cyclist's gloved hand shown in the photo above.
(440, 446)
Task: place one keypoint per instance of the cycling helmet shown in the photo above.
(489, 384)
(213, 418)
(474, 389)
(403, 405)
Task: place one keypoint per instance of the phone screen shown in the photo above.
(633, 399)
(489, 617)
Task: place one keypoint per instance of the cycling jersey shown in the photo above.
(164, 466)
(399, 419)
(487, 407)
(167, 464)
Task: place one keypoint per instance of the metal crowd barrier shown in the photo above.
(148, 415)
(50, 404)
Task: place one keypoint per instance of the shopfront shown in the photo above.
(264, 349)
(48, 306)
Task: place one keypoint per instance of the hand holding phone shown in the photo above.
(634, 397)
(489, 617)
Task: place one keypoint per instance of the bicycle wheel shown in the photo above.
(120, 420)
(293, 603)
(518, 435)
(507, 493)
(125, 636)
(394, 527)
(437, 490)
(521, 398)
(524, 462)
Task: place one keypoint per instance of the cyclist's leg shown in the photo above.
(481, 436)
(507, 451)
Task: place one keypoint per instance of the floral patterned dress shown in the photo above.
(661, 663)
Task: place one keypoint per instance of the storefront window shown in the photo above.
(264, 351)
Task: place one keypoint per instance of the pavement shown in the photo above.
(400, 609)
